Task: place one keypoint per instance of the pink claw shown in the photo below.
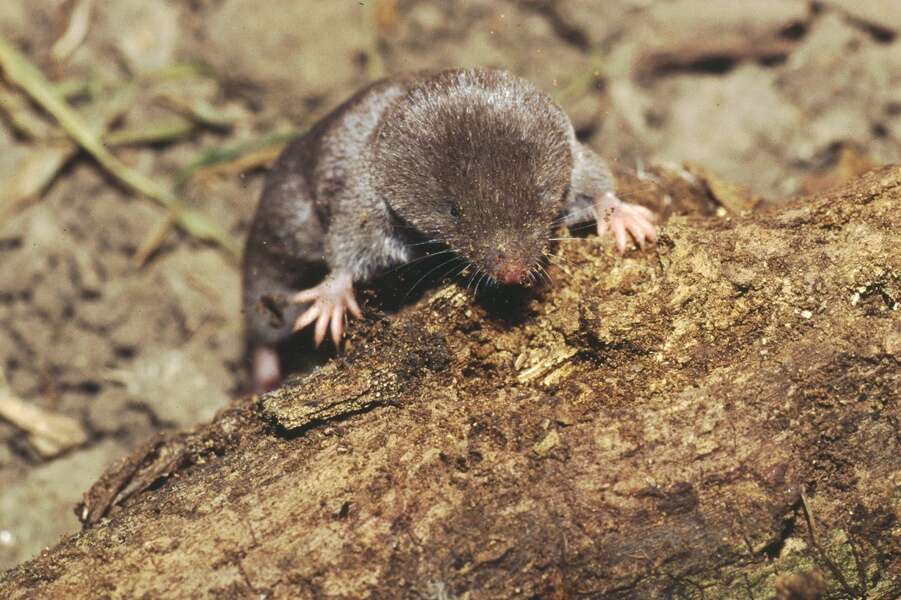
(622, 218)
(330, 300)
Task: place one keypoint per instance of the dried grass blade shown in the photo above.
(75, 33)
(19, 70)
(50, 433)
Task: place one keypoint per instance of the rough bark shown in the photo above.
(716, 417)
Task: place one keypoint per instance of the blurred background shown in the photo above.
(134, 137)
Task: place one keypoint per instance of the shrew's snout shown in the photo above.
(509, 267)
(512, 273)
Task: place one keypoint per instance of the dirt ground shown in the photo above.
(768, 95)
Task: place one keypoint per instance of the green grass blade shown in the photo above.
(21, 72)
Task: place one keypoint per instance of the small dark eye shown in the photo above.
(454, 211)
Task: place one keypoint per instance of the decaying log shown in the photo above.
(715, 417)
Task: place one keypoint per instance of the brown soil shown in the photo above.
(770, 95)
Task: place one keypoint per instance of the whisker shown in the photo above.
(414, 261)
(453, 259)
(432, 241)
(548, 255)
(466, 266)
(546, 274)
(574, 215)
(445, 274)
(555, 262)
(472, 277)
(457, 274)
(561, 266)
(481, 279)
(586, 213)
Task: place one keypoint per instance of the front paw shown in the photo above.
(624, 219)
(330, 300)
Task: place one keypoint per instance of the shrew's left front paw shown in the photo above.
(621, 217)
(330, 300)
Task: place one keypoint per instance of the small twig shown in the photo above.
(217, 156)
(808, 517)
(153, 240)
(50, 433)
(19, 70)
(75, 33)
(199, 110)
(22, 117)
(247, 162)
(240, 158)
(39, 168)
(33, 174)
(858, 563)
(154, 133)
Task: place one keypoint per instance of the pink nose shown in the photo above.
(511, 273)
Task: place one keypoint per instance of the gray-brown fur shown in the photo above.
(400, 155)
(480, 160)
(310, 214)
